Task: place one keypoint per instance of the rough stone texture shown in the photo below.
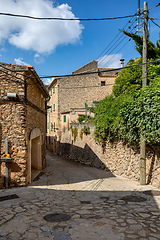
(117, 157)
(18, 118)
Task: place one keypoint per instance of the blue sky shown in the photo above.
(56, 48)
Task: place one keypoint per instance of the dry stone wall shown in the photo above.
(118, 157)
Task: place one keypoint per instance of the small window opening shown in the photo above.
(103, 83)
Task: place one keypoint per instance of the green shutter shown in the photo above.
(64, 118)
(54, 126)
(53, 89)
(53, 107)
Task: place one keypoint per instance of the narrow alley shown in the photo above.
(69, 201)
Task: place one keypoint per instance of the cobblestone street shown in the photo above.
(98, 204)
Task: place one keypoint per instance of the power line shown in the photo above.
(65, 19)
(79, 74)
(113, 40)
(95, 86)
(115, 48)
(107, 70)
(154, 7)
(154, 22)
(118, 51)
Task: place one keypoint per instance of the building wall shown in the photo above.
(53, 114)
(75, 92)
(12, 126)
(17, 120)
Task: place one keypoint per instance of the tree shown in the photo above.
(129, 79)
(153, 51)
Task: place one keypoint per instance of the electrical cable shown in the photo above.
(117, 52)
(113, 39)
(87, 73)
(113, 44)
(117, 44)
(153, 7)
(114, 49)
(97, 86)
(65, 19)
(154, 22)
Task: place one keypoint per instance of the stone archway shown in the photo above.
(35, 152)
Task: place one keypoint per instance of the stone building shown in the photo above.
(22, 121)
(69, 96)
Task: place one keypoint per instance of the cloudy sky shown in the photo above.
(60, 47)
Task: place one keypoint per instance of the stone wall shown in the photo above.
(117, 157)
(17, 119)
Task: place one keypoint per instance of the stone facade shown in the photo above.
(19, 117)
(71, 94)
(118, 157)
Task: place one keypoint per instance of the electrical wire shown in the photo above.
(117, 52)
(114, 49)
(85, 73)
(154, 7)
(154, 22)
(65, 19)
(115, 38)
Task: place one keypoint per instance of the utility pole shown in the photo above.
(144, 83)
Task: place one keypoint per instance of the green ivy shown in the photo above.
(127, 116)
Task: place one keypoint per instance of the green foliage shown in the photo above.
(89, 119)
(74, 132)
(129, 79)
(132, 110)
(153, 51)
(141, 115)
(86, 130)
(81, 118)
(106, 114)
(127, 116)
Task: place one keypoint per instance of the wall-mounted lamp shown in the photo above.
(12, 95)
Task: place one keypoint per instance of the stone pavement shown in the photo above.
(99, 204)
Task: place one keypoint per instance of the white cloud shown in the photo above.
(48, 81)
(20, 62)
(37, 35)
(110, 61)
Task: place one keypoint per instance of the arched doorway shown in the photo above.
(35, 152)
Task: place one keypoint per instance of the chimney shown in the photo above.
(122, 63)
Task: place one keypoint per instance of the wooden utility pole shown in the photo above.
(144, 83)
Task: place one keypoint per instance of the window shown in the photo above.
(53, 89)
(64, 118)
(53, 107)
(54, 126)
(103, 83)
(51, 126)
